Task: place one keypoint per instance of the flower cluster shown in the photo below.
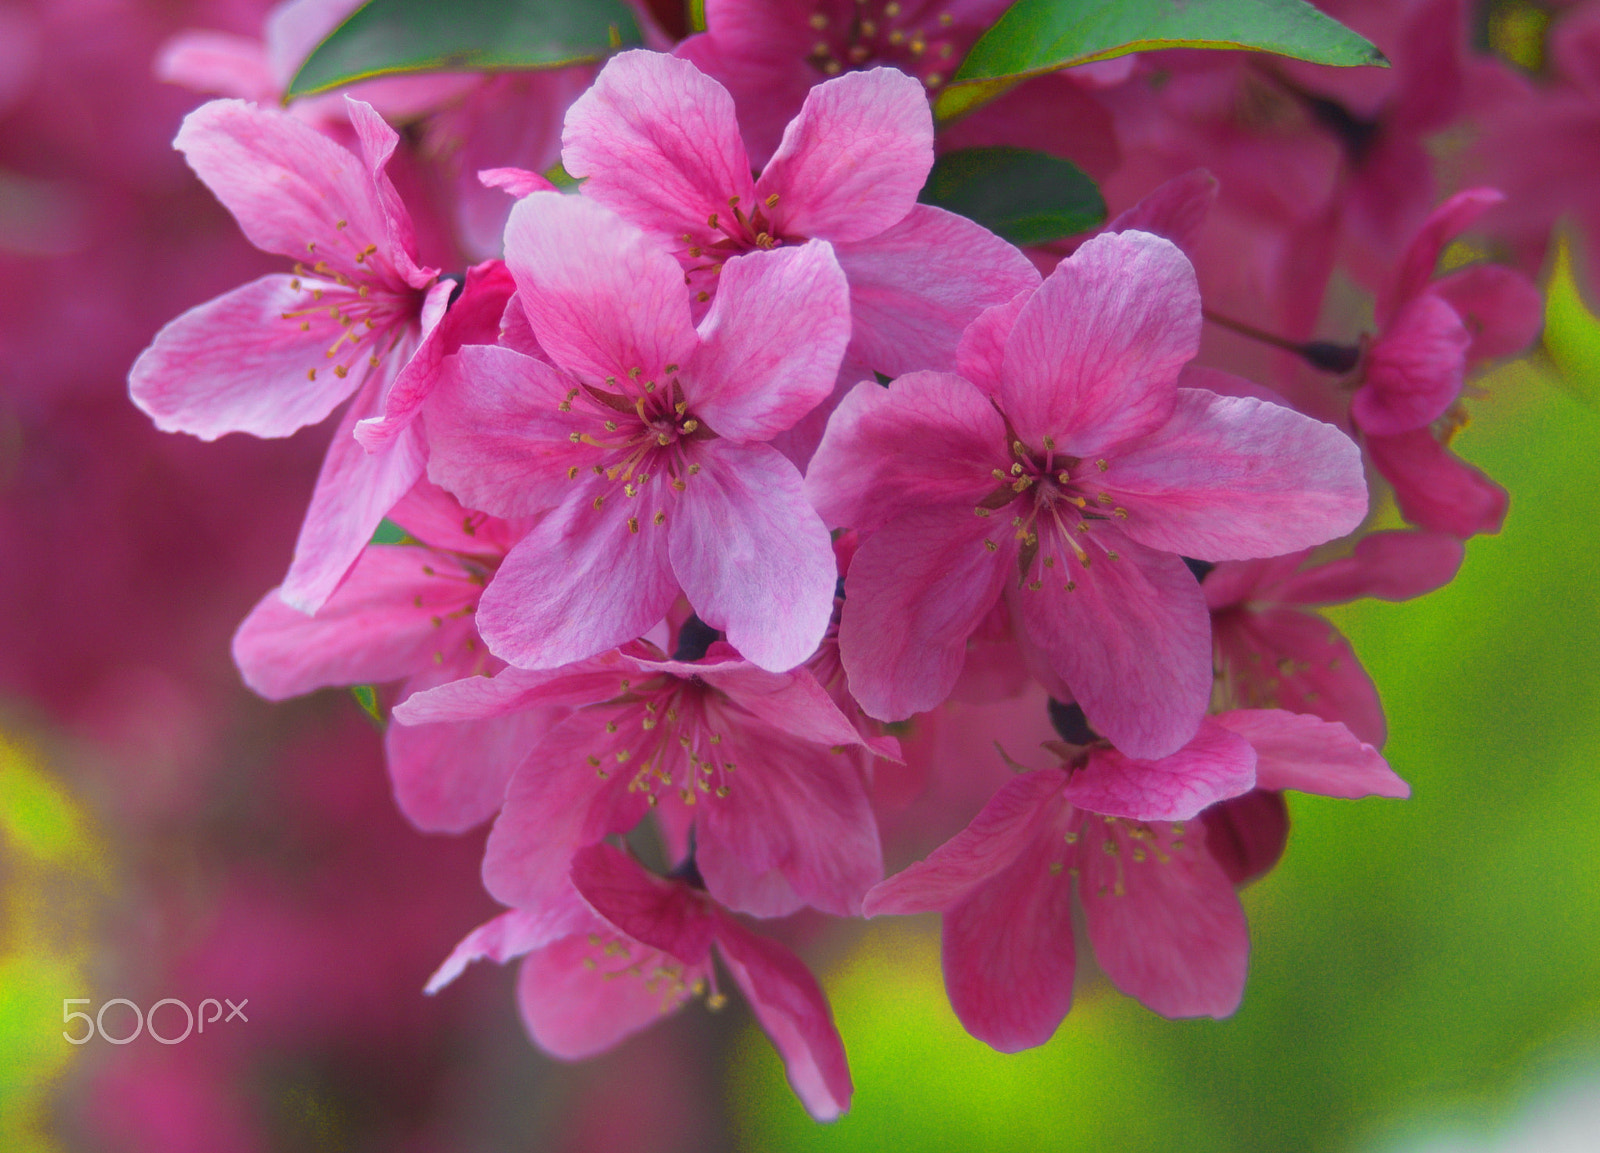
(737, 463)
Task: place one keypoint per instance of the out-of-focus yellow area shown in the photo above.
(1417, 964)
(51, 868)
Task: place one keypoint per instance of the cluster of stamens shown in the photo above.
(1124, 841)
(615, 957)
(361, 298)
(456, 568)
(896, 33)
(729, 234)
(677, 748)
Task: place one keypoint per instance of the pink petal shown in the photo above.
(1094, 356)
(1246, 835)
(1393, 566)
(661, 914)
(1008, 951)
(1008, 824)
(1215, 765)
(1421, 257)
(915, 286)
(851, 164)
(753, 557)
(217, 62)
(1414, 371)
(354, 492)
(980, 357)
(1502, 309)
(602, 299)
(791, 702)
(511, 935)
(1176, 210)
(917, 590)
(657, 141)
(771, 343)
(1434, 488)
(789, 1004)
(1166, 929)
(1294, 751)
(929, 438)
(518, 182)
(581, 582)
(498, 438)
(1228, 478)
(514, 690)
(237, 364)
(1132, 639)
(378, 142)
(436, 518)
(729, 879)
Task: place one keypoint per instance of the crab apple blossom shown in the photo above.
(1067, 463)
(643, 441)
(283, 351)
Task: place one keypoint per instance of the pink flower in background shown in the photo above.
(283, 351)
(644, 439)
(1068, 459)
(635, 948)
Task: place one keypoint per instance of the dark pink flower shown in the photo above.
(644, 438)
(1090, 472)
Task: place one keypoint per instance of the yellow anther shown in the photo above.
(633, 524)
(311, 374)
(659, 518)
(818, 21)
(1056, 867)
(340, 371)
(990, 545)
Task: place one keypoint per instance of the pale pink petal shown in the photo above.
(730, 880)
(1434, 488)
(1229, 478)
(217, 63)
(583, 581)
(1132, 638)
(602, 299)
(758, 51)
(498, 439)
(980, 357)
(1421, 257)
(1094, 356)
(287, 185)
(929, 438)
(751, 554)
(658, 142)
(513, 934)
(385, 622)
(851, 164)
(518, 182)
(355, 490)
(1166, 928)
(789, 1004)
(241, 363)
(1295, 751)
(995, 838)
(1176, 210)
(917, 590)
(1008, 951)
(1502, 309)
(656, 912)
(791, 702)
(1215, 765)
(434, 517)
(513, 690)
(771, 344)
(378, 142)
(915, 286)
(1393, 566)
(1414, 371)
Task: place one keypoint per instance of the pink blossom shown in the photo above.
(658, 143)
(644, 438)
(637, 947)
(283, 351)
(1158, 904)
(1107, 471)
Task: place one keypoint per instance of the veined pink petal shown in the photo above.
(662, 914)
(789, 1004)
(602, 298)
(851, 164)
(917, 589)
(1434, 488)
(1393, 566)
(751, 553)
(286, 184)
(980, 357)
(791, 702)
(1215, 765)
(581, 582)
(354, 491)
(497, 436)
(378, 142)
(1295, 751)
(996, 837)
(517, 182)
(1176, 210)
(929, 438)
(515, 690)
(1164, 921)
(1093, 358)
(449, 778)
(658, 142)
(771, 344)
(1443, 225)
(1228, 478)
(1132, 639)
(1502, 309)
(730, 880)
(1414, 371)
(434, 517)
(1008, 952)
(512, 934)
(239, 363)
(915, 286)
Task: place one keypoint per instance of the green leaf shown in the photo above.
(1037, 36)
(367, 697)
(1026, 197)
(392, 37)
(388, 532)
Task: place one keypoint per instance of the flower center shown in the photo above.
(679, 746)
(346, 285)
(907, 34)
(728, 234)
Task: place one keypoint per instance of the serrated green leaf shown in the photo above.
(393, 37)
(1024, 196)
(1036, 36)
